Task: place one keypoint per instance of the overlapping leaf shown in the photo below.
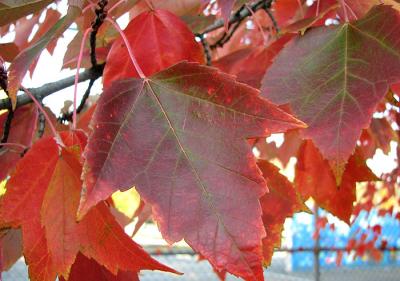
(23, 61)
(10, 248)
(158, 39)
(315, 179)
(22, 131)
(8, 51)
(355, 9)
(281, 202)
(42, 198)
(179, 138)
(250, 64)
(90, 270)
(12, 10)
(334, 77)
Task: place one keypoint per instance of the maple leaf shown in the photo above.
(355, 9)
(304, 24)
(158, 39)
(226, 7)
(22, 131)
(143, 213)
(10, 248)
(24, 60)
(179, 138)
(23, 29)
(379, 135)
(43, 200)
(281, 202)
(315, 178)
(13, 10)
(92, 271)
(9, 51)
(249, 64)
(334, 77)
(285, 11)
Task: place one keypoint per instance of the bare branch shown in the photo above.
(243, 13)
(50, 88)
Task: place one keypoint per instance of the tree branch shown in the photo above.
(97, 71)
(101, 14)
(243, 13)
(50, 88)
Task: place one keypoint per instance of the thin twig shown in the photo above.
(207, 50)
(101, 14)
(235, 21)
(10, 114)
(274, 22)
(85, 96)
(53, 87)
(68, 116)
(263, 4)
(227, 36)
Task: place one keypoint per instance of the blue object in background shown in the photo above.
(302, 237)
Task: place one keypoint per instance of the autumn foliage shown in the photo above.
(191, 91)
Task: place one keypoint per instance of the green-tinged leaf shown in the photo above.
(179, 137)
(334, 78)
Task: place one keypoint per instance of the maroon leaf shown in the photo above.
(22, 131)
(179, 137)
(334, 78)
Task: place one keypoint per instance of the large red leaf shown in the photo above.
(22, 130)
(158, 39)
(43, 197)
(281, 202)
(21, 206)
(314, 178)
(334, 77)
(92, 271)
(179, 137)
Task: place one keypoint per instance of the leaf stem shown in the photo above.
(13, 144)
(53, 129)
(351, 10)
(90, 6)
(115, 6)
(346, 16)
(128, 47)
(78, 66)
(257, 23)
(317, 10)
(301, 8)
